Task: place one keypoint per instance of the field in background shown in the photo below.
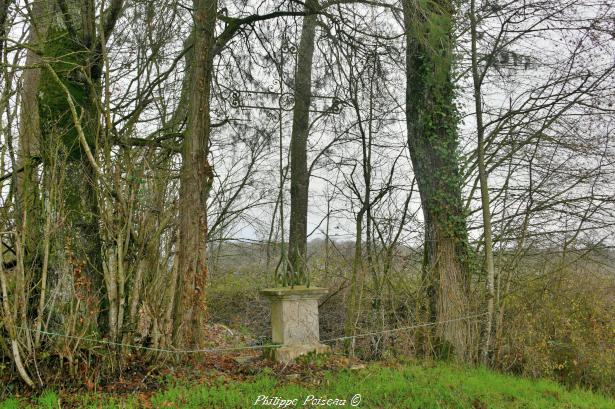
(556, 316)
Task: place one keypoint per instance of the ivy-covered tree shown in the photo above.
(68, 94)
(432, 118)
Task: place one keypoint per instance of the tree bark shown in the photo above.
(195, 179)
(68, 93)
(299, 179)
(4, 9)
(432, 139)
(28, 202)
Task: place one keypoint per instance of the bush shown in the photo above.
(563, 329)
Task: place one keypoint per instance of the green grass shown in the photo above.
(404, 387)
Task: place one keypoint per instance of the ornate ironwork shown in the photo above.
(336, 106)
(242, 98)
(235, 99)
(288, 47)
(276, 85)
(273, 100)
(286, 101)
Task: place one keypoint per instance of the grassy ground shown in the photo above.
(379, 386)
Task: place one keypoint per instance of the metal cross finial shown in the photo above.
(277, 98)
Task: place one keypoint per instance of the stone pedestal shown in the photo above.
(294, 321)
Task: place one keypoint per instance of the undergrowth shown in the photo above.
(396, 386)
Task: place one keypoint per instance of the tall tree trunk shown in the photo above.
(28, 202)
(4, 9)
(356, 285)
(432, 139)
(357, 277)
(68, 100)
(484, 190)
(195, 179)
(299, 179)
(73, 71)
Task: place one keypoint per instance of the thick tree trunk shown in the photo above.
(68, 95)
(432, 140)
(75, 252)
(196, 177)
(299, 179)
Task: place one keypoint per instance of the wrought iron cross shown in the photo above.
(249, 99)
(266, 100)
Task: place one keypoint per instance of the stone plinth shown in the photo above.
(294, 321)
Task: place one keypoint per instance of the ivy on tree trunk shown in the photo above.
(432, 119)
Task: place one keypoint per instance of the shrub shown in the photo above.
(562, 328)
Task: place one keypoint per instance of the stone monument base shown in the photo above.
(294, 321)
(289, 353)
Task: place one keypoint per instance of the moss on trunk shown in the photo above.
(75, 254)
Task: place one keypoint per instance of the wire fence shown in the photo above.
(243, 348)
